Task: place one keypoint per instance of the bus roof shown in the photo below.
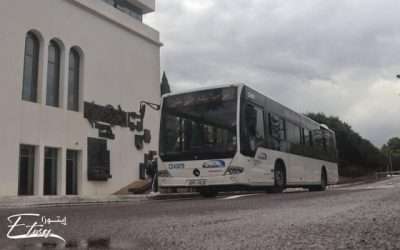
(217, 86)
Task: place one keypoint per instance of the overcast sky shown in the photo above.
(339, 57)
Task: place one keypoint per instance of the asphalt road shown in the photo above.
(354, 217)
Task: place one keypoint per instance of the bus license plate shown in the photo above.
(197, 182)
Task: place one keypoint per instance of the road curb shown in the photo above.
(357, 183)
(172, 196)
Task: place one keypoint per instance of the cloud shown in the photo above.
(337, 57)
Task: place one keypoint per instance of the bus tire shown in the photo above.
(279, 179)
(207, 193)
(323, 185)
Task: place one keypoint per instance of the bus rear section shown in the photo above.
(284, 148)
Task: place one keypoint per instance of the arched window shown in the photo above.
(31, 67)
(73, 80)
(53, 75)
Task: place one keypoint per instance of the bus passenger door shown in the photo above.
(255, 129)
(260, 174)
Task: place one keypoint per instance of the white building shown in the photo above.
(62, 63)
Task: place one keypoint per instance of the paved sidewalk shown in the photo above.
(54, 201)
(65, 201)
(361, 182)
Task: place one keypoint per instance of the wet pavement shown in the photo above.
(365, 216)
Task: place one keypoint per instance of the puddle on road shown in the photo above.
(91, 243)
(99, 243)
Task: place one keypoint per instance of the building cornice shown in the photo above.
(102, 10)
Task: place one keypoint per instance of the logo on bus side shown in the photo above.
(214, 164)
(176, 166)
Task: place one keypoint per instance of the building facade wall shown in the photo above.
(120, 66)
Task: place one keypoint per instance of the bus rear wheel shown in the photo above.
(324, 183)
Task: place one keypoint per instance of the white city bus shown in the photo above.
(233, 138)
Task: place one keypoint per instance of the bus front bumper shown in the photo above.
(165, 182)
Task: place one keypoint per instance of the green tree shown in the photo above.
(165, 88)
(394, 143)
(392, 148)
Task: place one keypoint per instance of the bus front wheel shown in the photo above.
(279, 179)
(207, 193)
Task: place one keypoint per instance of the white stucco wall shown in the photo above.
(121, 66)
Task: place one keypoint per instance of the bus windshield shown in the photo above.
(199, 125)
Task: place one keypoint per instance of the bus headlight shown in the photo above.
(164, 173)
(233, 170)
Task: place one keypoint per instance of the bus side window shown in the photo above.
(260, 130)
(317, 137)
(332, 147)
(306, 137)
(324, 142)
(251, 120)
(283, 129)
(294, 134)
(255, 126)
(275, 127)
(277, 130)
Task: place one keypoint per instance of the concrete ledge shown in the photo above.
(146, 6)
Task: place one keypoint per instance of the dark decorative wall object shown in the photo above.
(141, 139)
(147, 136)
(98, 160)
(106, 114)
(104, 118)
(139, 142)
(105, 131)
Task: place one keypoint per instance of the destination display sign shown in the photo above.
(202, 97)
